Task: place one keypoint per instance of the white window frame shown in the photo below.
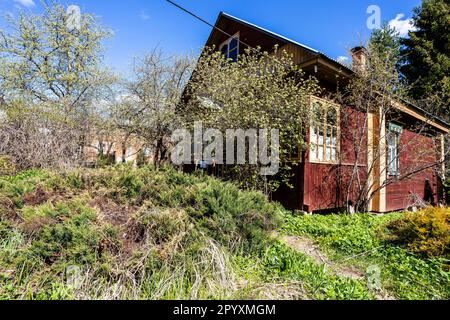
(325, 148)
(147, 152)
(227, 43)
(393, 149)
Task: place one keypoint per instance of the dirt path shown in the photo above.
(309, 247)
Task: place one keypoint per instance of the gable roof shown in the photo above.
(273, 34)
(284, 39)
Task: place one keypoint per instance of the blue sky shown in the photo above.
(331, 26)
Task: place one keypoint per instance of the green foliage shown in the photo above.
(426, 232)
(160, 234)
(272, 89)
(14, 188)
(352, 234)
(386, 43)
(50, 239)
(356, 240)
(221, 209)
(75, 239)
(176, 240)
(281, 261)
(51, 77)
(410, 277)
(42, 58)
(426, 54)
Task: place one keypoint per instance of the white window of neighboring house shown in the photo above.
(393, 149)
(230, 48)
(129, 152)
(147, 152)
(324, 131)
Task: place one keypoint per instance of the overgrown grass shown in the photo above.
(356, 240)
(124, 233)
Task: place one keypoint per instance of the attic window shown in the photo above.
(230, 48)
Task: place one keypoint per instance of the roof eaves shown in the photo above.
(428, 114)
(215, 26)
(349, 69)
(284, 38)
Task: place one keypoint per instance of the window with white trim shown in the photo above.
(393, 149)
(230, 48)
(324, 132)
(147, 152)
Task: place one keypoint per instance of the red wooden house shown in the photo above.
(321, 179)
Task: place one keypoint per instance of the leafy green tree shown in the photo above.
(51, 77)
(426, 54)
(259, 91)
(44, 59)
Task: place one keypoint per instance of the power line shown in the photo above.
(191, 13)
(209, 24)
(216, 28)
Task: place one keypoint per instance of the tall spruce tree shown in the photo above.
(387, 43)
(426, 54)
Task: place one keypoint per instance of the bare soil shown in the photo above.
(36, 198)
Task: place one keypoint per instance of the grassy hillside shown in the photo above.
(122, 233)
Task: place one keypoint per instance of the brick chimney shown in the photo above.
(360, 59)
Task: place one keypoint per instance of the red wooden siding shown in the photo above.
(326, 185)
(416, 151)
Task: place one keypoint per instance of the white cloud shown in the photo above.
(26, 3)
(402, 26)
(343, 59)
(144, 16)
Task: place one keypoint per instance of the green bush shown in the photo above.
(426, 232)
(222, 211)
(66, 230)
